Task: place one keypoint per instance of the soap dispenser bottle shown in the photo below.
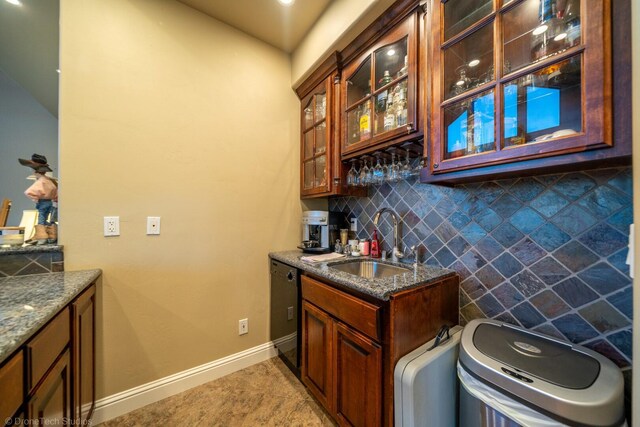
(375, 245)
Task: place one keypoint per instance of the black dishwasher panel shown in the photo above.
(285, 314)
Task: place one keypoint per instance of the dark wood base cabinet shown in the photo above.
(83, 311)
(50, 379)
(50, 403)
(351, 343)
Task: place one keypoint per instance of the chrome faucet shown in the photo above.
(396, 253)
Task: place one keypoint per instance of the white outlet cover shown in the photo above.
(354, 224)
(111, 226)
(243, 326)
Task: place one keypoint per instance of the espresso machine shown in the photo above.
(320, 230)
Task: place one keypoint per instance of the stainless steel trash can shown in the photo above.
(511, 376)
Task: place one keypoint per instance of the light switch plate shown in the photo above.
(153, 225)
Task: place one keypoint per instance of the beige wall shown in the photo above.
(167, 112)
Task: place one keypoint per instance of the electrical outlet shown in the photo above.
(111, 226)
(153, 225)
(243, 326)
(290, 313)
(354, 224)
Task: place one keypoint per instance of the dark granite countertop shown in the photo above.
(29, 249)
(378, 288)
(28, 302)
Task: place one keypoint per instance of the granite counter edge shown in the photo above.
(94, 274)
(292, 258)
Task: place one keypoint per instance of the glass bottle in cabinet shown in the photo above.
(517, 79)
(380, 90)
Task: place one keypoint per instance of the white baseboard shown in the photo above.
(126, 401)
(286, 343)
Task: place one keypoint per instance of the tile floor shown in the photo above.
(266, 394)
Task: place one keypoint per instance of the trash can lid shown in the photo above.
(533, 355)
(567, 382)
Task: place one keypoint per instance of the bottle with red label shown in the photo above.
(375, 245)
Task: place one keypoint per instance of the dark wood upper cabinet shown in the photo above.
(321, 171)
(515, 80)
(379, 92)
(317, 140)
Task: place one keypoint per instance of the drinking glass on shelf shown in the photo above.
(352, 175)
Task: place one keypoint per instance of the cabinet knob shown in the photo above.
(435, 166)
(409, 127)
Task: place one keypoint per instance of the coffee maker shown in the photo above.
(320, 230)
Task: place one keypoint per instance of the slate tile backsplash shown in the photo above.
(31, 263)
(546, 252)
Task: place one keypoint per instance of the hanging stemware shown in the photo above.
(363, 173)
(370, 178)
(416, 170)
(405, 171)
(378, 173)
(352, 175)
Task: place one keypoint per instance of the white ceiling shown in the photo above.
(268, 20)
(29, 36)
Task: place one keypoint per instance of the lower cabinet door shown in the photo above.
(83, 310)
(50, 403)
(358, 378)
(317, 360)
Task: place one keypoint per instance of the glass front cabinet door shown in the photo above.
(316, 144)
(518, 79)
(379, 90)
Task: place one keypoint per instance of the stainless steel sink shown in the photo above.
(369, 269)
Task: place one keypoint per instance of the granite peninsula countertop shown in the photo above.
(378, 288)
(28, 302)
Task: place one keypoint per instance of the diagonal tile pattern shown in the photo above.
(545, 252)
(21, 264)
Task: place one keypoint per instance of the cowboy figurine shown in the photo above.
(44, 192)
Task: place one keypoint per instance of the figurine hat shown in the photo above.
(38, 163)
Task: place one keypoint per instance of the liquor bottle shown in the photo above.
(403, 71)
(365, 129)
(354, 125)
(401, 108)
(390, 116)
(375, 245)
(572, 18)
(381, 104)
(546, 10)
(386, 78)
